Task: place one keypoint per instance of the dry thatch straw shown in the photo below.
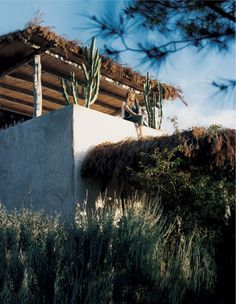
(57, 40)
(34, 34)
(208, 148)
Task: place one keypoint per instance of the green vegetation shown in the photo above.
(153, 103)
(130, 257)
(71, 86)
(192, 176)
(198, 195)
(172, 244)
(92, 78)
(202, 200)
(92, 75)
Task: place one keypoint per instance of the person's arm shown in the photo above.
(143, 110)
(127, 109)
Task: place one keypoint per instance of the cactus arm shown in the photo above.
(85, 71)
(146, 99)
(74, 92)
(74, 86)
(92, 75)
(89, 89)
(96, 88)
(83, 92)
(92, 48)
(65, 94)
(86, 53)
(153, 102)
(160, 105)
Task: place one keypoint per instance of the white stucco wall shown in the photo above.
(40, 159)
(36, 167)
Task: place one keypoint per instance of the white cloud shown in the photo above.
(196, 115)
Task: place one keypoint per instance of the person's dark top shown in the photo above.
(134, 108)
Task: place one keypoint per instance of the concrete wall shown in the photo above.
(36, 166)
(40, 159)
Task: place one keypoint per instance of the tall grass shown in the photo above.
(134, 256)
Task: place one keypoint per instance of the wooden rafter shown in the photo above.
(114, 106)
(56, 72)
(17, 101)
(59, 58)
(12, 63)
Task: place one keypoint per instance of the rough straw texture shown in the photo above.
(208, 148)
(72, 47)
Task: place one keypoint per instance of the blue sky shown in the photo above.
(191, 71)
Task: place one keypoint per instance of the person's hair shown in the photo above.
(128, 97)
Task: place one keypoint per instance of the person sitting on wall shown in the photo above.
(132, 111)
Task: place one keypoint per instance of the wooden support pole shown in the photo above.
(37, 86)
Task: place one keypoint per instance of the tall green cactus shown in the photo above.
(152, 103)
(148, 102)
(92, 75)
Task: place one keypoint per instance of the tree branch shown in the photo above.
(219, 10)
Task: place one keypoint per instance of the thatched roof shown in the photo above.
(60, 57)
(207, 148)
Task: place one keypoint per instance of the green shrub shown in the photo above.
(199, 196)
(202, 200)
(112, 257)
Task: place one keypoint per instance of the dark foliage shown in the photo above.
(176, 25)
(193, 176)
(179, 24)
(133, 258)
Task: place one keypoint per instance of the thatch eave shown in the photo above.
(201, 147)
(110, 68)
(60, 57)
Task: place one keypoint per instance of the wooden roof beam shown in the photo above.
(58, 74)
(21, 102)
(17, 107)
(10, 64)
(29, 93)
(14, 109)
(76, 61)
(28, 79)
(57, 89)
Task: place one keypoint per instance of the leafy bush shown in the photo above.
(199, 196)
(112, 257)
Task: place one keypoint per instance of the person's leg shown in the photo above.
(139, 121)
(137, 118)
(140, 131)
(140, 124)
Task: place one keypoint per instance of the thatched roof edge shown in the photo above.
(110, 67)
(208, 148)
